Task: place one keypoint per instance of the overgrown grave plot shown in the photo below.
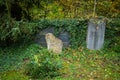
(106, 61)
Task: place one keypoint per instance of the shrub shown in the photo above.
(17, 31)
(44, 65)
(13, 75)
(12, 31)
(76, 28)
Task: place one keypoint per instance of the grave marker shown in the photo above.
(95, 35)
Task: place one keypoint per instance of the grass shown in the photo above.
(11, 58)
(92, 65)
(78, 64)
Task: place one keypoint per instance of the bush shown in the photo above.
(17, 31)
(44, 65)
(12, 31)
(13, 75)
(76, 28)
(112, 39)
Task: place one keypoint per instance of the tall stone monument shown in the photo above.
(95, 34)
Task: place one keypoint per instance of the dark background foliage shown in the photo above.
(20, 20)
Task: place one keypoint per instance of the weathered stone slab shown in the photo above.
(95, 35)
(47, 30)
(40, 37)
(53, 43)
(64, 36)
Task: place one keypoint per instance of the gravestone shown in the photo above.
(40, 37)
(54, 44)
(64, 36)
(95, 35)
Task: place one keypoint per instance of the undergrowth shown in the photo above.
(34, 62)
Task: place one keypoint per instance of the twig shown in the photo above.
(94, 10)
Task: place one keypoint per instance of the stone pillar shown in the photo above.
(95, 35)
